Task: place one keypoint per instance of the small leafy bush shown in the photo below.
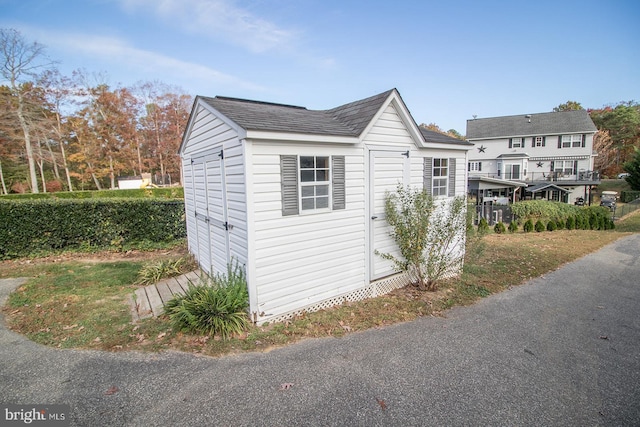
(560, 224)
(552, 226)
(528, 226)
(571, 223)
(217, 306)
(499, 228)
(540, 227)
(513, 227)
(483, 226)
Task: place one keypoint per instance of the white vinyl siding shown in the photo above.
(301, 260)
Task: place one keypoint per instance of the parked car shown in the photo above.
(623, 175)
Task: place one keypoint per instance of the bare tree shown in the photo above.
(21, 63)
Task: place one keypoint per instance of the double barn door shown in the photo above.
(209, 207)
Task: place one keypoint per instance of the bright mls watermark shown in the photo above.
(37, 415)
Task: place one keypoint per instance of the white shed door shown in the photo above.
(210, 200)
(199, 186)
(218, 220)
(387, 169)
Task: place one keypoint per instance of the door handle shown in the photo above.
(374, 217)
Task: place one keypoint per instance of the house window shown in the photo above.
(440, 177)
(475, 166)
(564, 167)
(569, 141)
(538, 141)
(517, 143)
(314, 182)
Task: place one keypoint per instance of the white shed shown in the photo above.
(297, 195)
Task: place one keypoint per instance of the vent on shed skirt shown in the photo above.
(374, 289)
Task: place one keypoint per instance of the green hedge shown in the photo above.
(579, 217)
(136, 193)
(629, 196)
(29, 227)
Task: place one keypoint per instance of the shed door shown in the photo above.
(218, 219)
(387, 169)
(210, 202)
(199, 185)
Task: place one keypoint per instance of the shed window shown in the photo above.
(440, 177)
(312, 183)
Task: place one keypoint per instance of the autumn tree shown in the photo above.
(21, 63)
(622, 122)
(605, 147)
(434, 127)
(568, 106)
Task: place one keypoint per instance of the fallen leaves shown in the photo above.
(286, 386)
(382, 404)
(112, 390)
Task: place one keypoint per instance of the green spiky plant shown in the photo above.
(214, 306)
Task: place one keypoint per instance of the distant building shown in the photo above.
(532, 156)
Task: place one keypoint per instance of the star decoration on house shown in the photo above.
(539, 164)
(481, 149)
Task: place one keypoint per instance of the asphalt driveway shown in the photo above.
(562, 350)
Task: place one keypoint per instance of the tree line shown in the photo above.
(77, 132)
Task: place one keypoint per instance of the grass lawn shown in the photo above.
(82, 301)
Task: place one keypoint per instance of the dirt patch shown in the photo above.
(106, 256)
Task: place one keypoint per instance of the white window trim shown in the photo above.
(302, 184)
(440, 178)
(519, 144)
(571, 141)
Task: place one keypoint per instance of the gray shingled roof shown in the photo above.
(437, 137)
(347, 120)
(556, 123)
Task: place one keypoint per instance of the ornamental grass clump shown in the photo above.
(215, 306)
(153, 272)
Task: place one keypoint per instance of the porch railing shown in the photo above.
(542, 176)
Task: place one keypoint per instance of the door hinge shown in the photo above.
(221, 155)
(227, 226)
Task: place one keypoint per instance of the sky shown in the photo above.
(450, 59)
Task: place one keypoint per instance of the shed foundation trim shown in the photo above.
(374, 289)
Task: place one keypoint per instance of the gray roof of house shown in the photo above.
(346, 120)
(556, 123)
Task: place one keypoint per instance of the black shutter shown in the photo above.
(338, 182)
(510, 142)
(559, 141)
(427, 175)
(544, 141)
(584, 140)
(575, 167)
(469, 167)
(452, 177)
(533, 141)
(479, 166)
(289, 177)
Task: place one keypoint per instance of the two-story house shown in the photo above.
(532, 156)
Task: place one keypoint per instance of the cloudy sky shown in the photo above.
(449, 59)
